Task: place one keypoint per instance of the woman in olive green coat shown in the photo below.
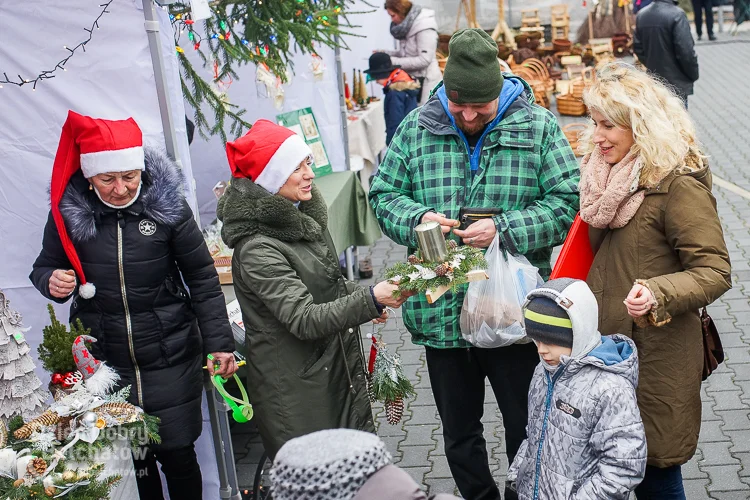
(305, 363)
(660, 254)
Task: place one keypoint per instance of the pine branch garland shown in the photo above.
(411, 275)
(250, 32)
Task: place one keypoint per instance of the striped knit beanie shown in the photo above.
(547, 322)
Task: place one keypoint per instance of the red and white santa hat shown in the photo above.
(93, 146)
(267, 155)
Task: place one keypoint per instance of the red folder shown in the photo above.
(576, 255)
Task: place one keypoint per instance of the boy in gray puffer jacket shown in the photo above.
(585, 435)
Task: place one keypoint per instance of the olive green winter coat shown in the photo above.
(675, 246)
(304, 361)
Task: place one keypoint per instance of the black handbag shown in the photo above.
(713, 352)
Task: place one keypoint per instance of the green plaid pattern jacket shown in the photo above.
(527, 171)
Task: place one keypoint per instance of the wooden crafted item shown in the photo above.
(475, 275)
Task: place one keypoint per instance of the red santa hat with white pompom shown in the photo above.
(94, 146)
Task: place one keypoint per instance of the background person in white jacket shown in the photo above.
(416, 30)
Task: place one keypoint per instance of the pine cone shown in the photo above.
(37, 467)
(63, 428)
(441, 270)
(370, 389)
(50, 491)
(394, 410)
(47, 418)
(412, 259)
(452, 245)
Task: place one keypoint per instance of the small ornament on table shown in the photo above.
(362, 98)
(21, 391)
(98, 377)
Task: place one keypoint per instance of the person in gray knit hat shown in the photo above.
(341, 464)
(585, 434)
(480, 145)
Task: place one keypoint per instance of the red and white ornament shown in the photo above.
(98, 378)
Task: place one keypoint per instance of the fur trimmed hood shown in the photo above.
(247, 209)
(401, 86)
(161, 198)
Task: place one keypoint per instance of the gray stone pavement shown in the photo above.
(721, 467)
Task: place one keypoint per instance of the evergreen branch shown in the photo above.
(251, 31)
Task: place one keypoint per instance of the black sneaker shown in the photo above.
(699, 37)
(712, 38)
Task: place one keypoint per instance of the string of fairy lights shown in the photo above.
(182, 22)
(50, 73)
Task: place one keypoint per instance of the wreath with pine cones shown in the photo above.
(417, 275)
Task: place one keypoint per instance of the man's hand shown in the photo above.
(639, 301)
(225, 360)
(445, 224)
(479, 235)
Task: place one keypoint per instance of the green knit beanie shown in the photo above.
(472, 73)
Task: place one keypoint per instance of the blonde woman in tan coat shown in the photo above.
(660, 254)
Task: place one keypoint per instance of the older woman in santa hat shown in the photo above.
(306, 370)
(121, 241)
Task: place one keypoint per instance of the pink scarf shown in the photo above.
(609, 193)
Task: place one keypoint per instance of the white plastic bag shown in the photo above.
(492, 314)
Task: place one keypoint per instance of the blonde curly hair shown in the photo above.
(663, 132)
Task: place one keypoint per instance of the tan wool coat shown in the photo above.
(675, 246)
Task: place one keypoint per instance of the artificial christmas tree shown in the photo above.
(21, 392)
(56, 355)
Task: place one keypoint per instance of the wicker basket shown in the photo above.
(572, 131)
(223, 267)
(569, 105)
(561, 45)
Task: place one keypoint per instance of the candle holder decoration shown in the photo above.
(438, 266)
(431, 242)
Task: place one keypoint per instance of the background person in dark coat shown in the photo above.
(699, 7)
(664, 45)
(400, 89)
(119, 220)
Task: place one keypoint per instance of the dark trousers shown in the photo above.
(458, 380)
(180, 467)
(698, 7)
(661, 484)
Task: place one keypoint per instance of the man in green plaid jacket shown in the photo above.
(479, 142)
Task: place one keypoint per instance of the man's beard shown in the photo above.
(470, 129)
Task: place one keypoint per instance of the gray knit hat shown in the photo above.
(327, 465)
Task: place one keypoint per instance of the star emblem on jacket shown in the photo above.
(147, 227)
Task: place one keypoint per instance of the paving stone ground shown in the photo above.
(721, 467)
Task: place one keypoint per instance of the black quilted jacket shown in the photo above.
(149, 327)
